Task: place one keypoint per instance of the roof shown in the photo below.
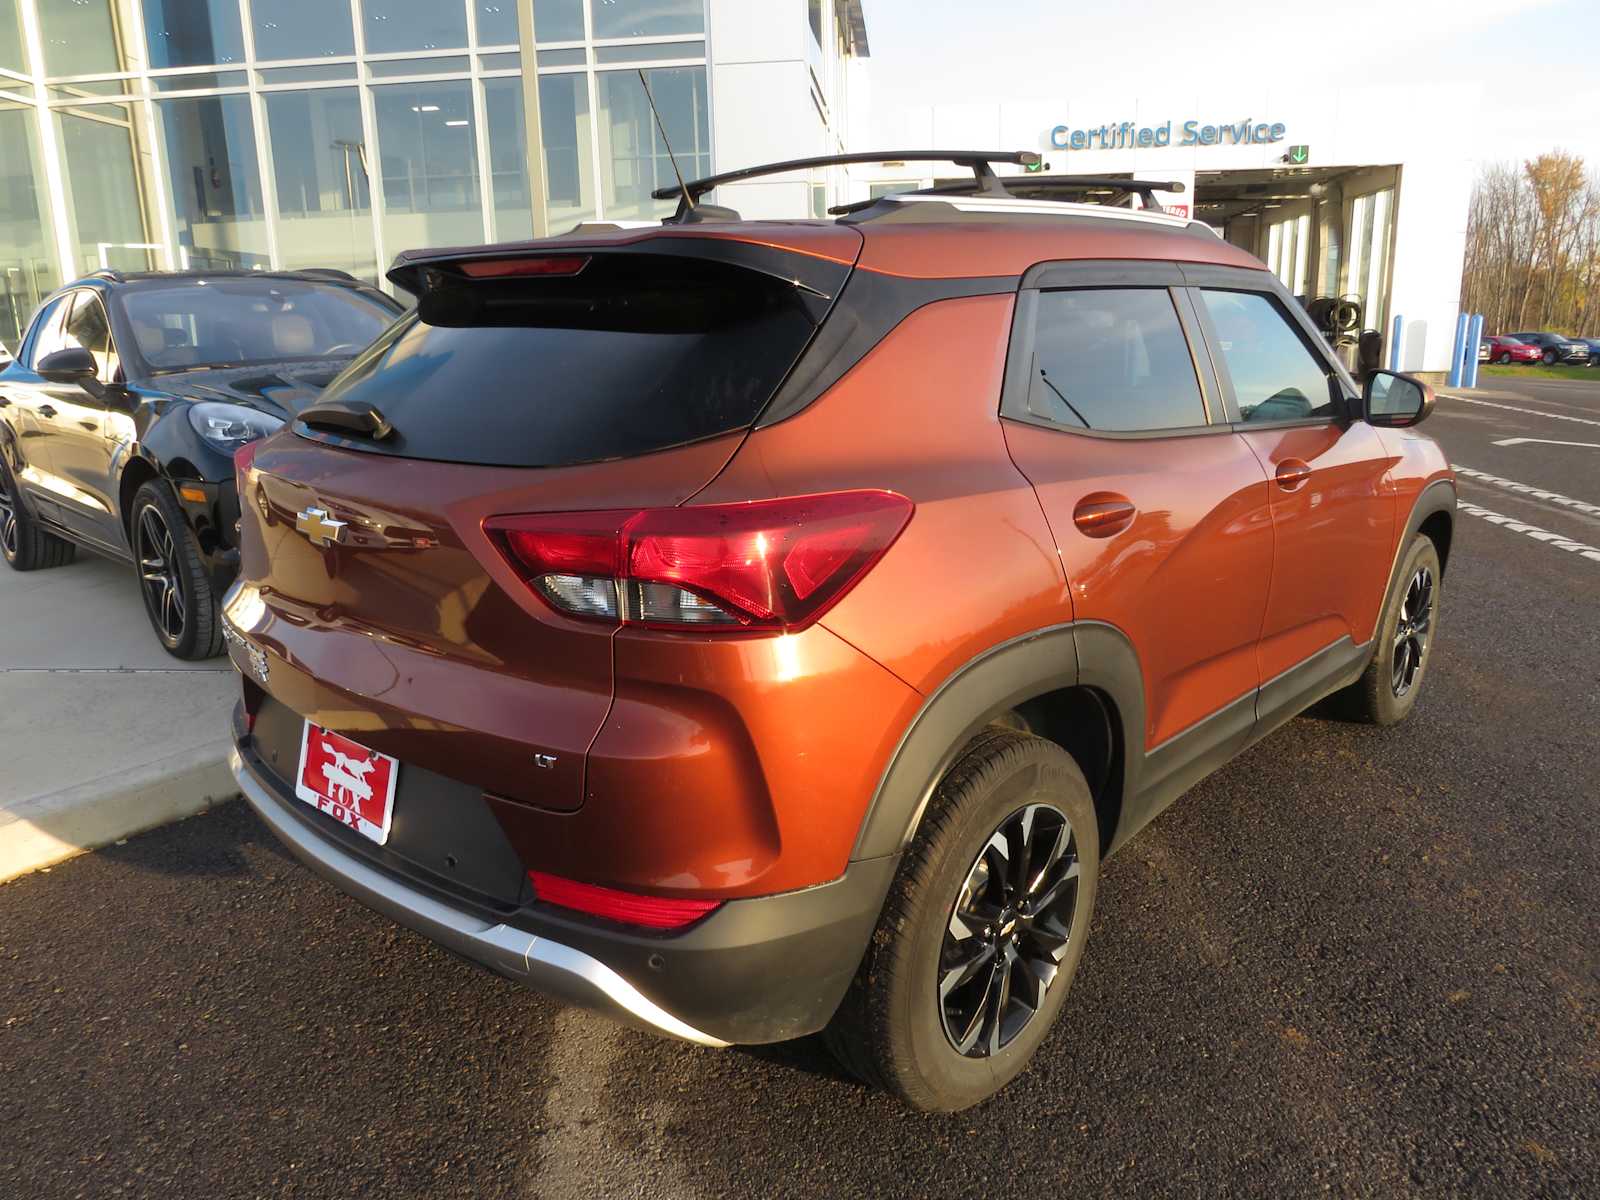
(941, 238)
(315, 274)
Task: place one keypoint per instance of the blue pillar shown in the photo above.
(1455, 351)
(1394, 343)
(1474, 336)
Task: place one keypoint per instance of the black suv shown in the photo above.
(127, 399)
(1557, 348)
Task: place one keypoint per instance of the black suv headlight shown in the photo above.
(229, 426)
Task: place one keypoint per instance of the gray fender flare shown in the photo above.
(1089, 653)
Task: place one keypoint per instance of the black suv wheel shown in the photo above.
(982, 931)
(1387, 692)
(23, 544)
(172, 577)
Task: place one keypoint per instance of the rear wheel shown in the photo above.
(1387, 692)
(982, 931)
(1549, 358)
(23, 544)
(172, 576)
(1504, 360)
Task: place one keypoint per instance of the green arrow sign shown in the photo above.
(1299, 155)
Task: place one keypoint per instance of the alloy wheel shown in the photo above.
(1008, 931)
(9, 532)
(158, 574)
(1412, 631)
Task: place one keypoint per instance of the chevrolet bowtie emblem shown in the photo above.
(320, 529)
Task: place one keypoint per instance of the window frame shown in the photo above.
(1102, 275)
(1342, 390)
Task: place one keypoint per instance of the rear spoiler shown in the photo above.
(818, 279)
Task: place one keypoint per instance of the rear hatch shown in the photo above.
(547, 377)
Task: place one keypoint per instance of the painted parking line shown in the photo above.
(1527, 489)
(1540, 535)
(1532, 412)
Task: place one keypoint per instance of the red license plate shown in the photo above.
(350, 783)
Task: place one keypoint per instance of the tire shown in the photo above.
(1549, 358)
(24, 544)
(1378, 698)
(893, 1030)
(1504, 360)
(172, 576)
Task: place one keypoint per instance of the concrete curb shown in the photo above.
(44, 830)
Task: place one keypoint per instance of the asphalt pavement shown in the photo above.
(1354, 961)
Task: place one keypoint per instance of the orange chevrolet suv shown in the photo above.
(750, 629)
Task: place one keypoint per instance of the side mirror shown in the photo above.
(1395, 401)
(72, 365)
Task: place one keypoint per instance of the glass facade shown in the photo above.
(165, 134)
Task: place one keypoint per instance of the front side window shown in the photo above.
(87, 327)
(48, 338)
(1113, 359)
(1275, 375)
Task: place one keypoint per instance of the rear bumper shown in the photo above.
(756, 970)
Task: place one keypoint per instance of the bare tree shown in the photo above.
(1533, 246)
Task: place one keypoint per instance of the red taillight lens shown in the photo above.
(652, 912)
(766, 565)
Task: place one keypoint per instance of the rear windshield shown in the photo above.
(238, 322)
(634, 353)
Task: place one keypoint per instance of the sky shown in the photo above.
(1536, 61)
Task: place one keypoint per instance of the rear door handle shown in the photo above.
(1292, 474)
(1103, 514)
(46, 411)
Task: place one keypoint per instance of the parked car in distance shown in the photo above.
(1594, 350)
(1557, 348)
(128, 398)
(1505, 349)
(781, 622)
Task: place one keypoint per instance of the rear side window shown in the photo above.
(634, 353)
(1275, 375)
(1113, 359)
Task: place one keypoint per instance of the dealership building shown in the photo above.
(1357, 193)
(144, 134)
(164, 134)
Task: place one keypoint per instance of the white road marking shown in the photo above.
(1533, 412)
(1527, 489)
(1545, 442)
(1533, 531)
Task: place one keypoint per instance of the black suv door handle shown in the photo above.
(46, 411)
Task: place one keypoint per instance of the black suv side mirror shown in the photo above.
(72, 365)
(1395, 401)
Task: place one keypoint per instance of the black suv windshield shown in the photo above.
(237, 322)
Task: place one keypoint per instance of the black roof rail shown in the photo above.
(108, 273)
(1051, 187)
(984, 180)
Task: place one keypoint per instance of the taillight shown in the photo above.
(631, 908)
(764, 565)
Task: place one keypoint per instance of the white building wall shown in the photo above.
(767, 78)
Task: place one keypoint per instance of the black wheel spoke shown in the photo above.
(1053, 895)
(999, 1000)
(960, 973)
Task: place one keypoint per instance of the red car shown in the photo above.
(751, 629)
(1503, 348)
